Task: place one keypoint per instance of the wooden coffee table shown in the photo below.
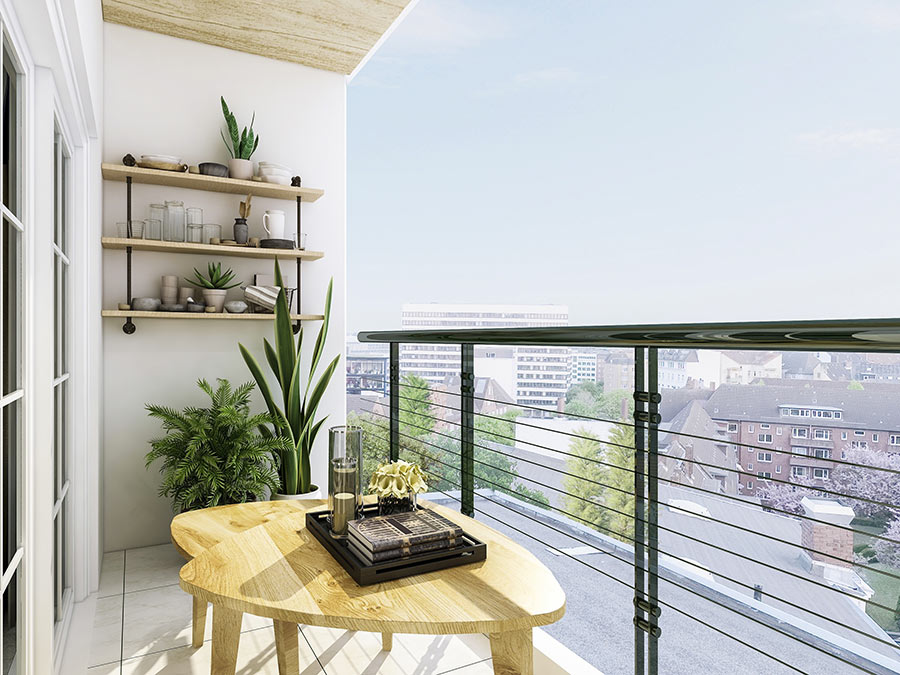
(279, 570)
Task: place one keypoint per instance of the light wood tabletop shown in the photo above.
(278, 570)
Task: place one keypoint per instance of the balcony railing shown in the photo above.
(700, 563)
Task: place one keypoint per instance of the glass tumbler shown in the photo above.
(137, 229)
(153, 229)
(173, 225)
(344, 477)
(195, 233)
(211, 231)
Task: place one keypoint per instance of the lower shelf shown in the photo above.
(124, 314)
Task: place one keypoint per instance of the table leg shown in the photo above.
(512, 653)
(387, 641)
(198, 622)
(226, 636)
(287, 647)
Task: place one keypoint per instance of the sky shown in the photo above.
(639, 162)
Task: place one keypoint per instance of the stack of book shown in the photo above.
(401, 535)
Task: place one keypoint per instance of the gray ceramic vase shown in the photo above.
(241, 231)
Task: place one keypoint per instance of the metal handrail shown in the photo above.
(860, 335)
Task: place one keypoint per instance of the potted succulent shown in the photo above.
(396, 484)
(216, 455)
(215, 284)
(294, 411)
(241, 146)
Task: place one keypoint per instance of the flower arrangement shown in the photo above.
(397, 484)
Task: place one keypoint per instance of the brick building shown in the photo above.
(799, 427)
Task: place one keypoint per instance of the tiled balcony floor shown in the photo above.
(142, 626)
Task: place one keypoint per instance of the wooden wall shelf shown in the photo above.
(124, 314)
(194, 181)
(118, 243)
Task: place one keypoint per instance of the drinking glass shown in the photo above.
(153, 229)
(173, 225)
(137, 229)
(344, 477)
(211, 231)
(195, 233)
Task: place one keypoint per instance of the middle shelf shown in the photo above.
(119, 243)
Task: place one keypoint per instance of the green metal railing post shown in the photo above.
(652, 508)
(640, 615)
(395, 402)
(467, 430)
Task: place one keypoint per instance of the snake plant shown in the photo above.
(215, 278)
(244, 145)
(295, 410)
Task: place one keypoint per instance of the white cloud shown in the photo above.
(445, 26)
(853, 139)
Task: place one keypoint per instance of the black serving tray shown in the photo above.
(469, 551)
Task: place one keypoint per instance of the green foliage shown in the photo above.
(215, 278)
(295, 415)
(215, 455)
(599, 504)
(242, 145)
(855, 385)
(589, 400)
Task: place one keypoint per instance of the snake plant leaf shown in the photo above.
(255, 145)
(313, 402)
(284, 343)
(323, 332)
(272, 358)
(227, 144)
(293, 408)
(243, 143)
(263, 385)
(232, 127)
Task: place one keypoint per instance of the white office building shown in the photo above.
(540, 373)
(582, 365)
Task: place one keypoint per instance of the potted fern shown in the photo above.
(294, 411)
(241, 146)
(216, 455)
(215, 284)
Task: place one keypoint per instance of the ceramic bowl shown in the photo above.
(236, 307)
(172, 308)
(146, 304)
(266, 171)
(196, 307)
(213, 169)
(280, 180)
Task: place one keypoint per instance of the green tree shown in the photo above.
(589, 400)
(376, 441)
(855, 385)
(603, 507)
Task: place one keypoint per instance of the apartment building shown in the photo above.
(541, 373)
(798, 427)
(367, 366)
(617, 370)
(583, 364)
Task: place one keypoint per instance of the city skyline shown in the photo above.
(633, 150)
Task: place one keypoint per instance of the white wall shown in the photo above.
(162, 96)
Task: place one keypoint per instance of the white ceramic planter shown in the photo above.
(240, 168)
(314, 494)
(214, 297)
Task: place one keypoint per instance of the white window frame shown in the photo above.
(765, 457)
(800, 432)
(822, 434)
(821, 473)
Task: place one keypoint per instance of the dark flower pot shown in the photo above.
(390, 505)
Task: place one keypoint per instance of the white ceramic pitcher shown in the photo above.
(273, 224)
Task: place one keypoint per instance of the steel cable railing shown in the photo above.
(655, 599)
(622, 535)
(567, 509)
(630, 492)
(621, 468)
(740, 444)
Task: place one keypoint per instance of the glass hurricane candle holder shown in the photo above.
(344, 477)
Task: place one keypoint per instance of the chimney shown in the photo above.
(823, 536)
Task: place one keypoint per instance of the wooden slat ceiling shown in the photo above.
(327, 34)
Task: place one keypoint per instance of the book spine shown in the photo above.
(415, 540)
(398, 553)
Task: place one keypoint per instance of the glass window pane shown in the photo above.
(56, 186)
(11, 307)
(56, 300)
(11, 138)
(63, 318)
(11, 436)
(10, 614)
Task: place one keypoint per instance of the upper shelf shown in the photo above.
(195, 181)
(207, 249)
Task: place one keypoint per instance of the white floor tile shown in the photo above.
(105, 669)
(106, 638)
(112, 573)
(160, 619)
(480, 668)
(152, 567)
(360, 653)
(256, 656)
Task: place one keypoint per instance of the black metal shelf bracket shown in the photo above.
(299, 238)
(129, 328)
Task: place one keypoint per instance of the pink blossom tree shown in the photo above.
(888, 552)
